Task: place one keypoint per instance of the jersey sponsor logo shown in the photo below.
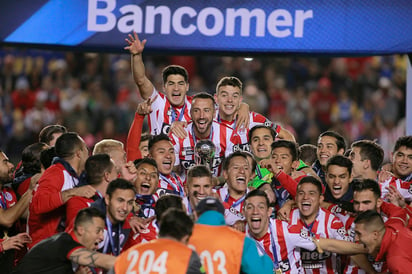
(241, 147)
(313, 256)
(187, 151)
(217, 161)
(165, 128)
(410, 189)
(284, 265)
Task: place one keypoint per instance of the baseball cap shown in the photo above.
(210, 203)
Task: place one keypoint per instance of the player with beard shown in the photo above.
(199, 186)
(11, 210)
(116, 206)
(313, 220)
(204, 127)
(236, 174)
(281, 242)
(161, 150)
(329, 144)
(367, 157)
(229, 97)
(171, 105)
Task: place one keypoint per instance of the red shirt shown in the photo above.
(395, 247)
(46, 207)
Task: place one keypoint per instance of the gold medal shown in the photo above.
(6, 235)
(278, 271)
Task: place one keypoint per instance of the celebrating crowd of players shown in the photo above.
(263, 205)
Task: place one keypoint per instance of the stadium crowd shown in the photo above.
(145, 164)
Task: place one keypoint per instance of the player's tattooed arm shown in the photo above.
(84, 256)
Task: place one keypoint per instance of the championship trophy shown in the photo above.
(205, 153)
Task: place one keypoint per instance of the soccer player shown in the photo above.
(60, 252)
(11, 210)
(367, 157)
(236, 173)
(339, 182)
(116, 206)
(173, 104)
(146, 184)
(100, 171)
(115, 149)
(204, 127)
(390, 241)
(229, 97)
(168, 254)
(162, 151)
(314, 220)
(282, 242)
(199, 186)
(401, 170)
(329, 144)
(230, 251)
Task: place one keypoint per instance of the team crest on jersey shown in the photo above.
(8, 196)
(304, 233)
(342, 232)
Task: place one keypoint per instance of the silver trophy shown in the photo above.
(205, 153)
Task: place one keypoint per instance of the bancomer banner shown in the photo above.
(290, 26)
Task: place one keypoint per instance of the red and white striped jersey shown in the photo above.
(326, 225)
(254, 120)
(404, 188)
(224, 138)
(233, 208)
(173, 183)
(163, 113)
(287, 245)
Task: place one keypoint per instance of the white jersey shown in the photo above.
(283, 246)
(404, 188)
(326, 225)
(225, 140)
(164, 114)
(254, 120)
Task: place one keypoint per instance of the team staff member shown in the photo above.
(390, 241)
(56, 186)
(58, 253)
(168, 254)
(234, 252)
